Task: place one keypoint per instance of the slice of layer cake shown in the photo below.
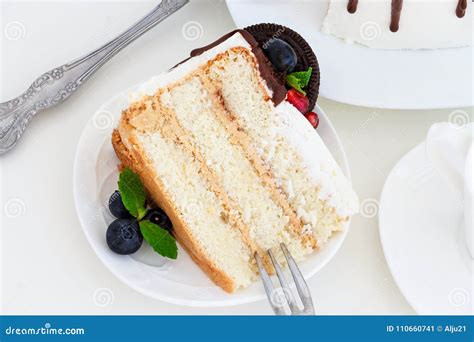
(236, 168)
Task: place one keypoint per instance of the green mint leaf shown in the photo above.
(293, 82)
(159, 239)
(299, 80)
(133, 193)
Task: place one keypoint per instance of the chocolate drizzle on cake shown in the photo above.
(397, 11)
(395, 16)
(461, 8)
(352, 6)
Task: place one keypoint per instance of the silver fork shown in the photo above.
(56, 85)
(285, 298)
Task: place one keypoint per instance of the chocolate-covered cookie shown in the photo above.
(267, 33)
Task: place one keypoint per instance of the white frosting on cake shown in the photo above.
(319, 162)
(424, 24)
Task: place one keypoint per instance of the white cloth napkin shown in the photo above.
(450, 149)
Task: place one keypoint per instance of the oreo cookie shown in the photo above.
(264, 33)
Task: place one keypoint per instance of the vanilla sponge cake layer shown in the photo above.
(236, 174)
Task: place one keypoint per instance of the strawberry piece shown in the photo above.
(298, 100)
(313, 119)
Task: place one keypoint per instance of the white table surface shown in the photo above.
(48, 267)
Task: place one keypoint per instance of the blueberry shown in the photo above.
(123, 236)
(281, 54)
(116, 206)
(159, 217)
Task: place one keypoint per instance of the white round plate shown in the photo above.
(420, 220)
(181, 281)
(358, 75)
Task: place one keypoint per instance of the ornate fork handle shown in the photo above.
(56, 85)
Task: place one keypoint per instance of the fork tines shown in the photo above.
(283, 297)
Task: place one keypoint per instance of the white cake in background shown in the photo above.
(236, 173)
(424, 24)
